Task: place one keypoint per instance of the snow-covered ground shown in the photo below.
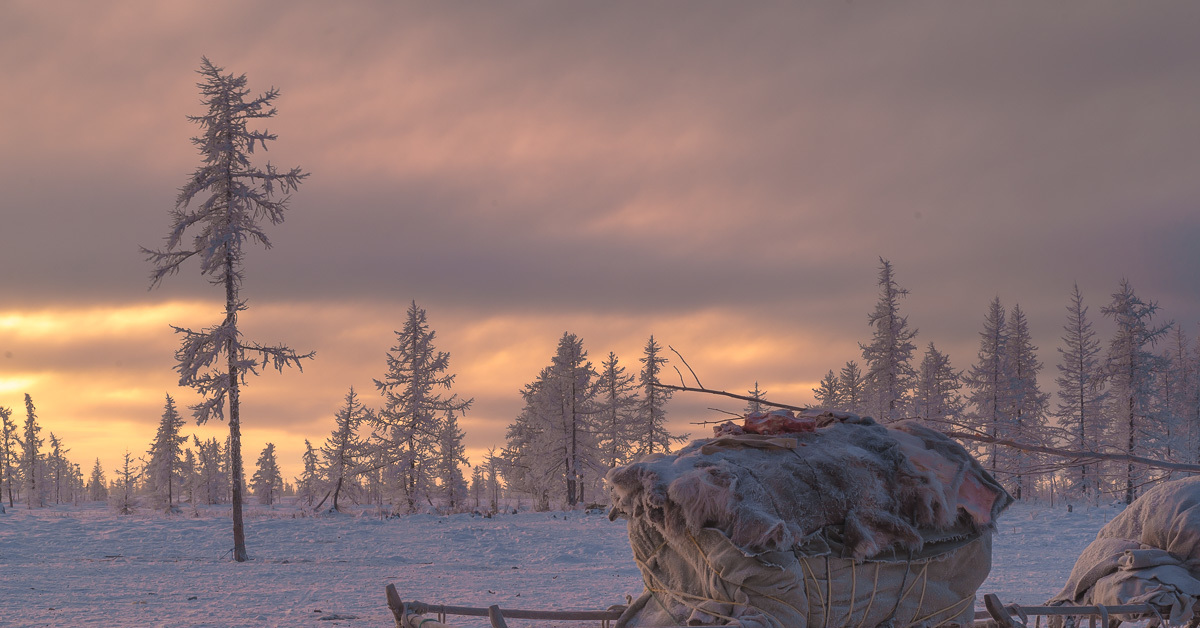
(87, 566)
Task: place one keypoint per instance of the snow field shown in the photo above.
(87, 566)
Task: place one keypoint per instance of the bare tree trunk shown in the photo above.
(235, 425)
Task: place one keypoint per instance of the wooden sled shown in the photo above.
(417, 614)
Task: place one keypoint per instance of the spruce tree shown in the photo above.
(162, 470)
(889, 377)
(988, 381)
(31, 458)
(97, 484)
(122, 499)
(308, 482)
(267, 483)
(1129, 369)
(58, 468)
(936, 398)
(616, 408)
(236, 197)
(758, 395)
(1081, 393)
(414, 390)
(850, 381)
(1028, 404)
(344, 448)
(652, 433)
(829, 392)
(451, 453)
(10, 458)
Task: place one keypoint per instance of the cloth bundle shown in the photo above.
(1150, 553)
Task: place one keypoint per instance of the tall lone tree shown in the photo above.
(235, 197)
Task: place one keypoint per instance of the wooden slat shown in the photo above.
(421, 608)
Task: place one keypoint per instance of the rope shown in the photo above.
(829, 592)
(816, 583)
(871, 602)
(853, 592)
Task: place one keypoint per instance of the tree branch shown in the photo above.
(1074, 456)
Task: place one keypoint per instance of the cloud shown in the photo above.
(723, 176)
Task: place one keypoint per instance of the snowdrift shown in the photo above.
(823, 520)
(1150, 553)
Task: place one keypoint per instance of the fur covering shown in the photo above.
(767, 493)
(848, 524)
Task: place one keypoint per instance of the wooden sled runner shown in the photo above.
(422, 615)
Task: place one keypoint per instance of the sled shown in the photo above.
(416, 614)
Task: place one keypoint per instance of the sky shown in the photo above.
(723, 176)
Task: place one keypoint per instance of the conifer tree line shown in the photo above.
(579, 421)
(34, 469)
(1136, 393)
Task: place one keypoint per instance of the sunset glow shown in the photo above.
(723, 177)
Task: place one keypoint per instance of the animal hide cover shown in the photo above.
(846, 523)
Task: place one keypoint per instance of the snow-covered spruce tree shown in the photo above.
(936, 399)
(478, 485)
(267, 483)
(889, 377)
(758, 395)
(652, 433)
(408, 426)
(1175, 384)
(343, 450)
(987, 381)
(494, 464)
(553, 441)
(850, 381)
(526, 467)
(212, 478)
(452, 487)
(162, 470)
(121, 499)
(1081, 394)
(569, 402)
(1029, 406)
(10, 458)
(235, 198)
(97, 486)
(187, 477)
(309, 481)
(616, 408)
(31, 458)
(58, 469)
(1129, 369)
(829, 392)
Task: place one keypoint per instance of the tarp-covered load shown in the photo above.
(841, 522)
(1150, 553)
